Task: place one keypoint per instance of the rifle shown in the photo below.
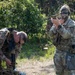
(13, 61)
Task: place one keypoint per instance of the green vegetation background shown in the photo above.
(32, 16)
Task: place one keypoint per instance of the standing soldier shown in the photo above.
(62, 34)
(11, 42)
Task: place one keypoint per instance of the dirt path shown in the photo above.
(37, 67)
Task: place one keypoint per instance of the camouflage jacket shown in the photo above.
(3, 36)
(64, 36)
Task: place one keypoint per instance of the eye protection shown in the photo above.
(64, 13)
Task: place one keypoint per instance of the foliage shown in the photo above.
(29, 16)
(50, 7)
(21, 14)
(36, 51)
(33, 18)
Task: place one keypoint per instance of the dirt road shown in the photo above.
(37, 67)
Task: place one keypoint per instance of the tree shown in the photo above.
(21, 14)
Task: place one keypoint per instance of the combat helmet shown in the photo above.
(23, 35)
(65, 9)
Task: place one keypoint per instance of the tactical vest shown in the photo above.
(7, 44)
(6, 40)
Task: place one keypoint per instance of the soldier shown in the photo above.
(11, 42)
(62, 34)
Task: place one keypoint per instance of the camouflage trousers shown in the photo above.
(11, 72)
(59, 62)
(8, 70)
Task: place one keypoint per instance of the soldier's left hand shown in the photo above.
(57, 22)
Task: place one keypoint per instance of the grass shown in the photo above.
(36, 51)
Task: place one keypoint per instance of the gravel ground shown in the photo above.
(37, 67)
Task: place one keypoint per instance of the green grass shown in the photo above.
(36, 51)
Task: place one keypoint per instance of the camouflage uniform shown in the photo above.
(62, 38)
(3, 36)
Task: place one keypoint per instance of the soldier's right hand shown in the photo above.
(8, 61)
